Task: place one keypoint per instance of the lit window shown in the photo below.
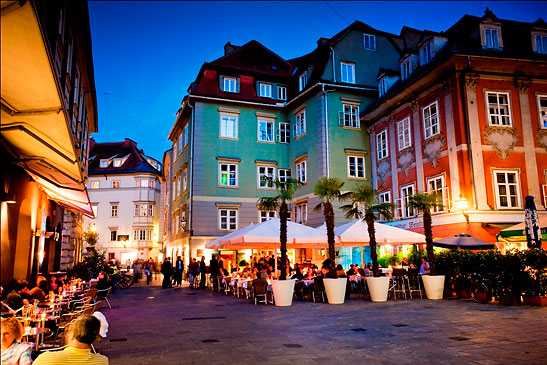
(265, 216)
(184, 179)
(104, 162)
(230, 84)
(265, 130)
(114, 210)
(369, 41)
(435, 185)
(301, 215)
(227, 219)
(299, 127)
(301, 171)
(541, 44)
(174, 190)
(348, 72)
(507, 189)
(95, 209)
(144, 210)
(265, 90)
(227, 174)
(115, 184)
(283, 175)
(542, 106)
(113, 235)
(499, 112)
(403, 133)
(431, 120)
(406, 192)
(95, 184)
(284, 132)
(381, 144)
(178, 185)
(228, 126)
(117, 162)
(266, 175)
(356, 167)
(491, 36)
(303, 81)
(349, 116)
(282, 93)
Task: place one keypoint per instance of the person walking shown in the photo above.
(179, 268)
(167, 271)
(192, 268)
(137, 270)
(148, 271)
(202, 271)
(215, 271)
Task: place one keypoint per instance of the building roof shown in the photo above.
(133, 160)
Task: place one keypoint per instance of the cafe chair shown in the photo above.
(398, 283)
(260, 291)
(318, 288)
(414, 282)
(103, 295)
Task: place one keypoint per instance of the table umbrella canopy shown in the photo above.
(356, 232)
(463, 241)
(215, 244)
(517, 232)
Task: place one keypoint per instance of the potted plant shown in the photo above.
(327, 190)
(283, 289)
(536, 284)
(423, 203)
(513, 277)
(365, 206)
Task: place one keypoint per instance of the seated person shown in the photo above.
(424, 268)
(103, 281)
(361, 270)
(327, 271)
(79, 336)
(298, 274)
(13, 350)
(352, 270)
(261, 279)
(39, 291)
(404, 263)
(340, 271)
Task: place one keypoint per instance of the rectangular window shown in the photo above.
(115, 184)
(265, 130)
(265, 90)
(104, 163)
(142, 235)
(406, 192)
(184, 179)
(95, 209)
(175, 152)
(114, 210)
(426, 53)
(507, 189)
(384, 197)
(300, 125)
(150, 210)
(185, 131)
(284, 132)
(180, 144)
(435, 185)
(301, 171)
(381, 144)
(174, 190)
(113, 235)
(227, 174)
(348, 72)
(117, 162)
(382, 87)
(541, 44)
(144, 210)
(303, 81)
(301, 213)
(431, 120)
(403, 133)
(542, 107)
(406, 69)
(350, 116)
(499, 111)
(227, 219)
(95, 184)
(369, 41)
(356, 167)
(228, 126)
(283, 174)
(282, 93)
(178, 185)
(491, 36)
(265, 216)
(266, 175)
(230, 84)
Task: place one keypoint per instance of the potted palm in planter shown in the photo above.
(365, 206)
(329, 189)
(282, 289)
(423, 203)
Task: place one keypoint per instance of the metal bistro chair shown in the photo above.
(227, 280)
(260, 290)
(414, 282)
(103, 295)
(399, 283)
(318, 288)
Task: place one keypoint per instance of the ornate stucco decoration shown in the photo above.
(471, 80)
(414, 105)
(446, 85)
(503, 139)
(542, 138)
(523, 83)
(384, 168)
(405, 158)
(432, 149)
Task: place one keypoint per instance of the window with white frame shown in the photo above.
(104, 162)
(436, 185)
(184, 179)
(144, 210)
(348, 72)
(300, 124)
(541, 43)
(369, 41)
(95, 209)
(301, 215)
(230, 84)
(284, 132)
(356, 167)
(265, 90)
(491, 38)
(180, 144)
(302, 81)
(283, 174)
(265, 130)
(174, 190)
(382, 87)
(175, 152)
(142, 235)
(350, 115)
(301, 171)
(227, 219)
(266, 216)
(403, 133)
(384, 197)
(381, 144)
(228, 126)
(113, 235)
(431, 120)
(113, 209)
(185, 131)
(95, 185)
(406, 69)
(507, 189)
(178, 185)
(542, 109)
(426, 53)
(117, 162)
(265, 176)
(499, 110)
(115, 184)
(282, 93)
(227, 174)
(406, 192)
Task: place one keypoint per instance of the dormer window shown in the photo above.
(265, 90)
(282, 93)
(406, 68)
(382, 89)
(230, 84)
(117, 162)
(426, 53)
(104, 162)
(303, 81)
(491, 36)
(540, 43)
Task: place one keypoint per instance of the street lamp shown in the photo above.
(93, 228)
(461, 204)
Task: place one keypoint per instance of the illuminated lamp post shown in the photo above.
(461, 204)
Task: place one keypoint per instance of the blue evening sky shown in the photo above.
(146, 53)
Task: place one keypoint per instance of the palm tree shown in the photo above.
(365, 206)
(329, 189)
(285, 191)
(423, 203)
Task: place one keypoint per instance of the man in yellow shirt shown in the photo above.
(79, 336)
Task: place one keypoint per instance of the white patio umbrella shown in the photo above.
(215, 244)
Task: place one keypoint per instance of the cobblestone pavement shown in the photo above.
(150, 325)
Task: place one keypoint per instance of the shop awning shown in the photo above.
(516, 233)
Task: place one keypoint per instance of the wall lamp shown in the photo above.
(461, 204)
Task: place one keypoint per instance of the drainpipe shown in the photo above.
(327, 158)
(333, 65)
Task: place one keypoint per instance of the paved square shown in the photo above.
(150, 325)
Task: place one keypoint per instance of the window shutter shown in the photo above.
(278, 135)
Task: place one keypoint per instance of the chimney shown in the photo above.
(229, 48)
(321, 41)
